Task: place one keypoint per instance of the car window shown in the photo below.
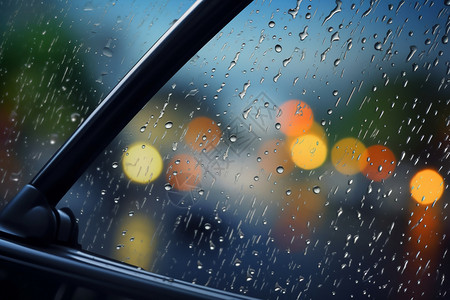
(303, 152)
(57, 62)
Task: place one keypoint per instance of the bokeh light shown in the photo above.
(184, 172)
(275, 158)
(377, 162)
(202, 134)
(308, 151)
(135, 244)
(427, 186)
(295, 117)
(346, 154)
(142, 163)
(316, 129)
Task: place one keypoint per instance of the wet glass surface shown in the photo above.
(302, 153)
(57, 62)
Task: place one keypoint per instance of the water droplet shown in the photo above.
(445, 39)
(244, 90)
(233, 138)
(335, 37)
(378, 46)
(288, 192)
(74, 117)
(211, 246)
(280, 169)
(168, 125)
(276, 77)
(131, 213)
(237, 262)
(277, 126)
(246, 112)
(271, 24)
(167, 186)
(207, 226)
(15, 176)
(304, 34)
(334, 11)
(115, 165)
(294, 11)
(278, 48)
(316, 189)
(412, 50)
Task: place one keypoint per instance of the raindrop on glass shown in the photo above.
(378, 46)
(316, 189)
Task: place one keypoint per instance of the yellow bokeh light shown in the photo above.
(345, 155)
(427, 186)
(142, 163)
(308, 151)
(316, 129)
(134, 241)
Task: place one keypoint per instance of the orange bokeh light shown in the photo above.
(377, 162)
(274, 154)
(183, 172)
(295, 117)
(427, 186)
(202, 134)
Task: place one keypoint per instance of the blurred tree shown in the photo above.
(45, 89)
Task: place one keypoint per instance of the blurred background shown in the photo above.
(302, 153)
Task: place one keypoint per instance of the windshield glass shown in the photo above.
(302, 152)
(57, 62)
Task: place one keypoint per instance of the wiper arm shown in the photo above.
(38, 199)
